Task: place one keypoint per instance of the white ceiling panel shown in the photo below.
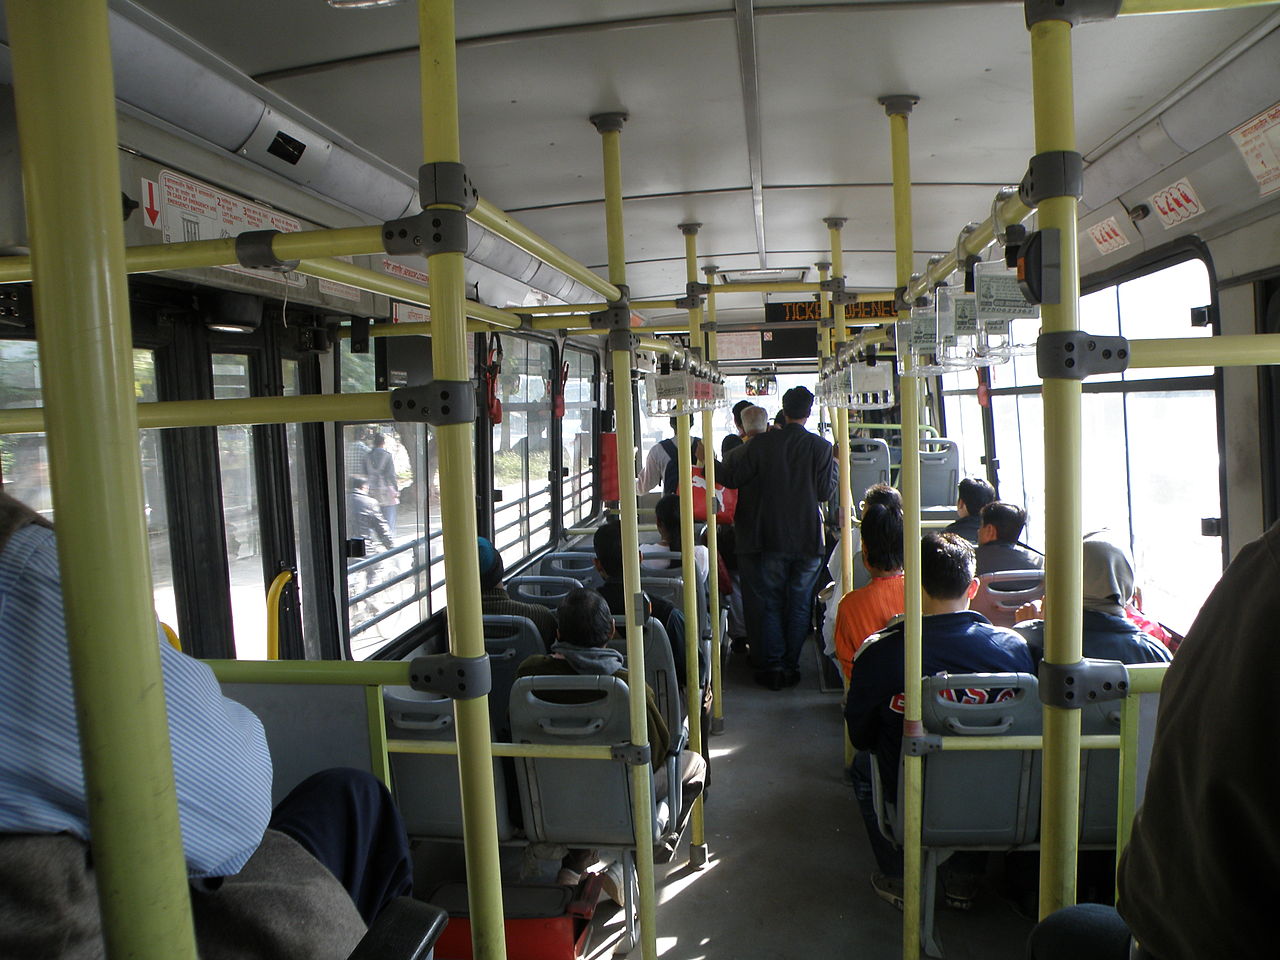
(524, 108)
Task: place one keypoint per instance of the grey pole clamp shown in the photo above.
(1055, 173)
(459, 678)
(253, 249)
(446, 182)
(439, 403)
(631, 754)
(1071, 686)
(690, 229)
(1074, 12)
(1076, 355)
(898, 104)
(609, 122)
(438, 230)
(616, 316)
(919, 746)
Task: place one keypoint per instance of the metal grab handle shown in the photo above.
(506, 654)
(441, 722)
(571, 729)
(1003, 726)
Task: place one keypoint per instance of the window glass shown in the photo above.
(356, 373)
(578, 485)
(522, 450)
(303, 504)
(964, 426)
(240, 515)
(1159, 306)
(24, 459)
(1100, 314)
(1105, 498)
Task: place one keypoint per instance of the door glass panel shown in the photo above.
(1159, 306)
(239, 481)
(522, 450)
(24, 459)
(579, 400)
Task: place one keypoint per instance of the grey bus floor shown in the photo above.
(789, 868)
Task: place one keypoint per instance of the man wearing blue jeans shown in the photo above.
(781, 476)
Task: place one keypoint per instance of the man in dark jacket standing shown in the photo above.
(781, 477)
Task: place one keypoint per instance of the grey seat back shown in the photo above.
(509, 641)
(659, 670)
(672, 587)
(939, 471)
(309, 728)
(1099, 775)
(425, 786)
(981, 798)
(578, 564)
(868, 465)
(582, 803)
(998, 603)
(547, 591)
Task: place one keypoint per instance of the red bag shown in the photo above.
(728, 499)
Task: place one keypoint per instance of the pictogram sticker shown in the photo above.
(1108, 236)
(1258, 141)
(1177, 203)
(150, 201)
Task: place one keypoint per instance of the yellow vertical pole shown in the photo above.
(693, 626)
(1051, 78)
(64, 95)
(458, 496)
(713, 540)
(620, 343)
(834, 226)
(899, 108)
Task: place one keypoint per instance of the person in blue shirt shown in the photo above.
(954, 639)
(344, 819)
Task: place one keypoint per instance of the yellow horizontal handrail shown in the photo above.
(273, 613)
(313, 408)
(450, 748)
(1240, 350)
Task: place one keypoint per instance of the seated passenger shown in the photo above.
(608, 546)
(954, 640)
(868, 609)
(1186, 889)
(495, 600)
(239, 853)
(998, 546)
(667, 514)
(975, 493)
(1108, 588)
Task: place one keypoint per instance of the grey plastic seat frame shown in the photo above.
(547, 591)
(578, 564)
(939, 471)
(1001, 606)
(672, 589)
(868, 464)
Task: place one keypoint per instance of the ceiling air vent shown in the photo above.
(765, 275)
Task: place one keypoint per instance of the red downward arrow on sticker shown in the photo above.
(150, 209)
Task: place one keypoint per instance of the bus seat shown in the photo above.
(984, 800)
(1099, 776)
(868, 464)
(939, 471)
(1000, 606)
(309, 728)
(509, 641)
(546, 590)
(425, 786)
(578, 564)
(672, 590)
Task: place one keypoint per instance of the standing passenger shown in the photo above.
(781, 477)
(735, 439)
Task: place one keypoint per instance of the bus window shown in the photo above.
(964, 420)
(522, 450)
(240, 517)
(578, 490)
(24, 460)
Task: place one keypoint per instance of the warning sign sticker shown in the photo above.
(409, 313)
(1259, 143)
(342, 291)
(1177, 203)
(1108, 236)
(405, 272)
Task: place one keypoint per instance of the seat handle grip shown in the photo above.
(570, 729)
(969, 730)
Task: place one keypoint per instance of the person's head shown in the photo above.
(666, 513)
(379, 440)
(975, 493)
(357, 483)
(1108, 574)
(584, 619)
(1001, 521)
(779, 421)
(754, 420)
(608, 546)
(883, 494)
(797, 404)
(882, 530)
(946, 572)
(491, 566)
(673, 421)
(737, 414)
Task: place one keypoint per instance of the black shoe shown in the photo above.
(790, 678)
(773, 679)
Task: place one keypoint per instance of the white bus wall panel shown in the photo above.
(1092, 259)
(1240, 426)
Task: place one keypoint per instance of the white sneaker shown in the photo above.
(611, 883)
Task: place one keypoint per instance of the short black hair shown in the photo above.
(884, 495)
(946, 565)
(797, 403)
(1009, 519)
(882, 530)
(608, 546)
(356, 481)
(667, 513)
(493, 576)
(737, 411)
(976, 493)
(584, 618)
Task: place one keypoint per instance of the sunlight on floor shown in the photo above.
(677, 880)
